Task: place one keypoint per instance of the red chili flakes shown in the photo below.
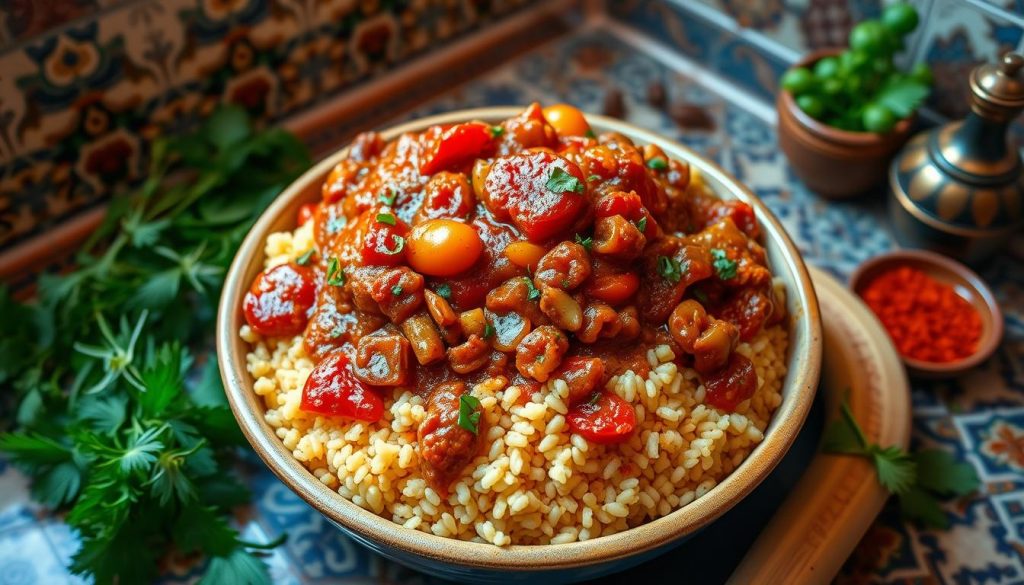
(926, 319)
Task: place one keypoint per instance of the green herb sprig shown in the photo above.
(562, 181)
(861, 90)
(109, 422)
(917, 479)
(469, 413)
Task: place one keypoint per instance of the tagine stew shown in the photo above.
(528, 250)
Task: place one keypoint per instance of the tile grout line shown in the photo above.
(674, 61)
(729, 24)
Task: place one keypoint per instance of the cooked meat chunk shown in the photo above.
(541, 352)
(445, 447)
(382, 358)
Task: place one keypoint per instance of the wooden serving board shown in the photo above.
(837, 497)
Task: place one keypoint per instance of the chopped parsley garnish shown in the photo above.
(397, 290)
(399, 245)
(497, 131)
(386, 218)
(670, 268)
(700, 296)
(585, 242)
(658, 164)
(469, 413)
(724, 267)
(589, 133)
(534, 294)
(562, 181)
(335, 274)
(305, 258)
(641, 224)
(488, 331)
(594, 178)
(444, 291)
(388, 199)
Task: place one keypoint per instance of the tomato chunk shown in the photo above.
(458, 145)
(732, 384)
(305, 213)
(384, 242)
(333, 389)
(606, 419)
(614, 289)
(541, 193)
(280, 300)
(742, 214)
(626, 204)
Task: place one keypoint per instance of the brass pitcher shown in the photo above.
(958, 189)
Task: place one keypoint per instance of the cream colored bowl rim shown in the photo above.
(785, 426)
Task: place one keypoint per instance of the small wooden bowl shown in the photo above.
(965, 282)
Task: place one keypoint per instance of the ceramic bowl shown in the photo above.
(468, 561)
(966, 283)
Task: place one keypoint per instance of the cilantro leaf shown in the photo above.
(896, 470)
(562, 181)
(444, 291)
(469, 413)
(724, 267)
(201, 528)
(657, 164)
(641, 224)
(57, 485)
(227, 127)
(386, 218)
(917, 504)
(939, 472)
(533, 293)
(918, 480)
(497, 131)
(237, 567)
(32, 449)
(586, 242)
(670, 269)
(335, 273)
(304, 259)
(902, 95)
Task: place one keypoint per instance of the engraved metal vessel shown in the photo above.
(958, 189)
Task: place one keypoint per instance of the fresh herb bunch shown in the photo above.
(917, 479)
(113, 423)
(861, 89)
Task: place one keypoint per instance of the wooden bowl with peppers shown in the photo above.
(940, 315)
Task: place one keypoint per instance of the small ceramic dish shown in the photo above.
(470, 561)
(965, 282)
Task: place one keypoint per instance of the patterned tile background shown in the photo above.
(978, 418)
(85, 85)
(753, 41)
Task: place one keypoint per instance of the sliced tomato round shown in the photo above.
(333, 389)
(540, 192)
(605, 419)
(280, 300)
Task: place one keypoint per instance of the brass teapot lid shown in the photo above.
(998, 89)
(965, 177)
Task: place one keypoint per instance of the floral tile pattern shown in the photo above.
(978, 418)
(80, 103)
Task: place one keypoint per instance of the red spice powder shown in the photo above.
(926, 319)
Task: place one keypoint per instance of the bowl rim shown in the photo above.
(986, 345)
(387, 535)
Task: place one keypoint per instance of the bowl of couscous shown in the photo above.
(519, 344)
